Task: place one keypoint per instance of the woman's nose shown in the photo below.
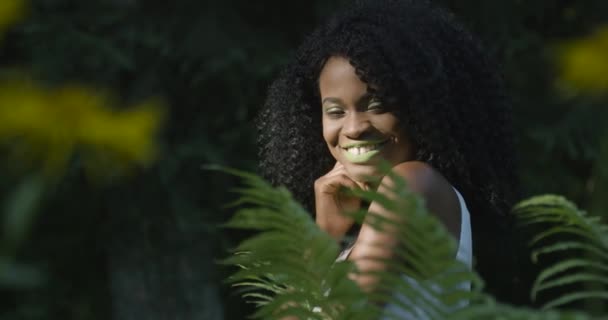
(356, 124)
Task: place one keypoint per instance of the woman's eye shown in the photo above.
(334, 111)
(374, 106)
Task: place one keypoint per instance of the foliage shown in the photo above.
(589, 241)
(558, 130)
(10, 12)
(288, 268)
(584, 64)
(42, 131)
(48, 125)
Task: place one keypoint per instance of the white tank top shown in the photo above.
(464, 254)
(465, 243)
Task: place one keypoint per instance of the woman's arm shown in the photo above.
(440, 199)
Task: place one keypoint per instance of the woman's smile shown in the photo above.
(362, 152)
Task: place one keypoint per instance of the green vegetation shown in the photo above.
(288, 268)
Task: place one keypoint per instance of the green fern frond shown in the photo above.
(289, 267)
(496, 311)
(587, 237)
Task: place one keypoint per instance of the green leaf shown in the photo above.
(20, 210)
(289, 268)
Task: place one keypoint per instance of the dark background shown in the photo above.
(145, 247)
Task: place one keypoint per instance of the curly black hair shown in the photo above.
(451, 100)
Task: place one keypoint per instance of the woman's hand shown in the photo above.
(331, 203)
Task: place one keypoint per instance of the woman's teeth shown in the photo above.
(363, 149)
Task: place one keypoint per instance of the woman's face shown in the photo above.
(358, 129)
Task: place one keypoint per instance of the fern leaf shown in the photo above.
(586, 236)
(289, 267)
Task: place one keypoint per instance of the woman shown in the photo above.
(400, 81)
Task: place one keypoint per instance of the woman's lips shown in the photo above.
(361, 152)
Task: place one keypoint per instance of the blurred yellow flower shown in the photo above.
(10, 12)
(584, 62)
(51, 125)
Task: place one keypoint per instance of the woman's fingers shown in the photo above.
(331, 184)
(339, 169)
(343, 180)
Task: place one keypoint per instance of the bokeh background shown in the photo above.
(125, 223)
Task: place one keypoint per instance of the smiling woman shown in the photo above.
(397, 81)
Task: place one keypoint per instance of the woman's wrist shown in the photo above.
(330, 229)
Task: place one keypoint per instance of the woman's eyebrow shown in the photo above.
(364, 98)
(332, 99)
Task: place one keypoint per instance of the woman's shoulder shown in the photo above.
(421, 177)
(439, 195)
